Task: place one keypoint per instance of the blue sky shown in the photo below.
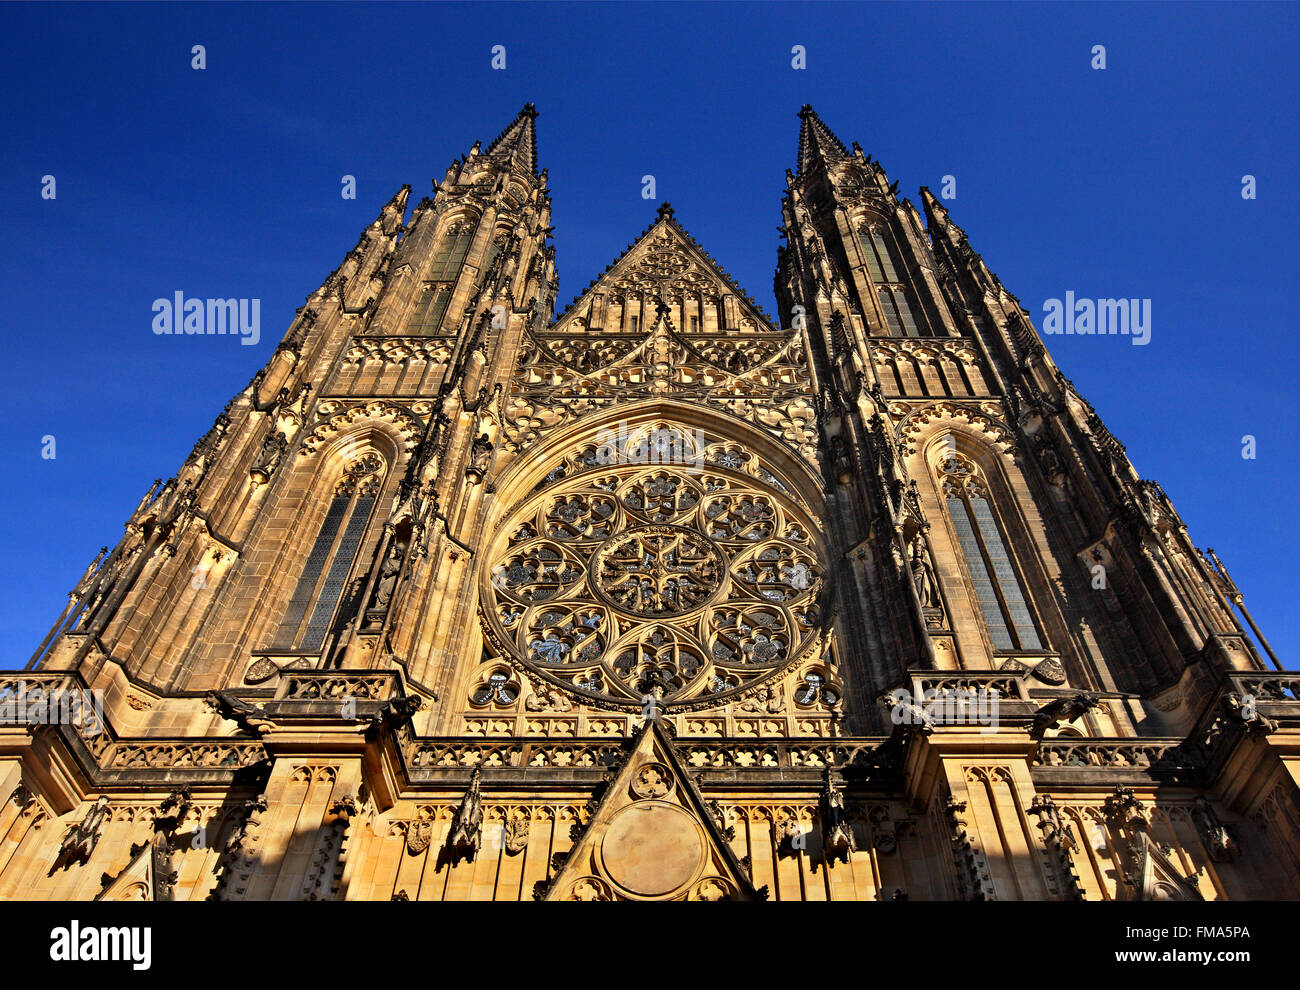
(225, 182)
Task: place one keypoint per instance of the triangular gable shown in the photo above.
(135, 882)
(1158, 878)
(664, 261)
(652, 837)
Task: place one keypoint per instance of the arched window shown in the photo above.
(451, 252)
(998, 590)
(879, 257)
(447, 260)
(896, 303)
(898, 312)
(315, 599)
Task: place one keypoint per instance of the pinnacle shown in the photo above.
(817, 141)
(519, 138)
(398, 202)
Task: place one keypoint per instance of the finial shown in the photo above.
(529, 110)
(665, 211)
(805, 110)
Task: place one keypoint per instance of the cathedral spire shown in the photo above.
(518, 142)
(817, 142)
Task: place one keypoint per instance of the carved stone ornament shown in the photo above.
(652, 781)
(591, 889)
(418, 837)
(81, 839)
(1050, 671)
(703, 585)
(516, 834)
(261, 670)
(658, 571)
(467, 828)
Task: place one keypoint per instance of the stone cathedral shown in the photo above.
(657, 598)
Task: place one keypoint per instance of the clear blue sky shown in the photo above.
(225, 182)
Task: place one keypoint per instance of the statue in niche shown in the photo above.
(1053, 467)
(480, 456)
(388, 573)
(272, 450)
(923, 577)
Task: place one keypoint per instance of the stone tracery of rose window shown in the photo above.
(691, 581)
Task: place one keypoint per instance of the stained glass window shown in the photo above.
(998, 589)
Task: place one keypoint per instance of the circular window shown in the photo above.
(688, 584)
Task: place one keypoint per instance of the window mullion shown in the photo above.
(344, 520)
(994, 580)
(964, 523)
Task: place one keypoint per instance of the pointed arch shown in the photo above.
(528, 470)
(307, 619)
(452, 245)
(345, 482)
(980, 513)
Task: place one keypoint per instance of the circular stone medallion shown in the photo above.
(657, 571)
(652, 848)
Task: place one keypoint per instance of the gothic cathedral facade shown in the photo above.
(660, 598)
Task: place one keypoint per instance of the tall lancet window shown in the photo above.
(432, 305)
(451, 252)
(316, 597)
(896, 303)
(998, 589)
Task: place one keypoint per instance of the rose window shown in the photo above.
(686, 583)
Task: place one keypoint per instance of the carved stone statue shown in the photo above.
(481, 456)
(547, 699)
(837, 833)
(397, 711)
(768, 699)
(923, 577)
(388, 575)
(1068, 709)
(273, 448)
(249, 716)
(467, 829)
